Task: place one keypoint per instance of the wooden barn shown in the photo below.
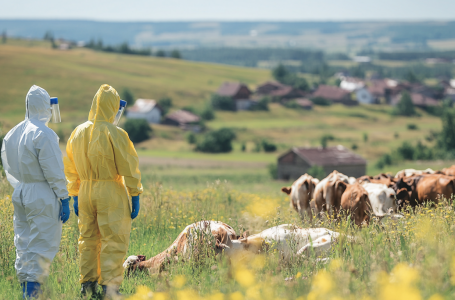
(297, 161)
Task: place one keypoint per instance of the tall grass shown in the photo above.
(409, 259)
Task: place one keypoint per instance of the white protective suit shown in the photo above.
(34, 167)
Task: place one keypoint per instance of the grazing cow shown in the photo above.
(328, 192)
(383, 199)
(214, 233)
(449, 171)
(381, 179)
(288, 239)
(413, 172)
(300, 195)
(355, 201)
(425, 188)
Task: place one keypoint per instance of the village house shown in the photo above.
(297, 161)
(304, 103)
(146, 109)
(334, 94)
(239, 92)
(183, 119)
(278, 90)
(418, 100)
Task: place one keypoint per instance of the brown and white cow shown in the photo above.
(300, 195)
(384, 200)
(214, 233)
(328, 192)
(413, 172)
(449, 171)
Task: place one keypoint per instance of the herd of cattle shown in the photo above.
(361, 198)
(367, 196)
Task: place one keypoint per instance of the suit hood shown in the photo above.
(105, 104)
(38, 104)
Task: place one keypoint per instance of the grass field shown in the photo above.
(410, 259)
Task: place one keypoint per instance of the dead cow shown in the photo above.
(288, 239)
(300, 195)
(217, 235)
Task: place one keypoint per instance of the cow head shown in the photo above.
(132, 263)
(402, 197)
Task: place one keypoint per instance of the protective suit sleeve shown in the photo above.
(127, 162)
(50, 160)
(73, 182)
(13, 180)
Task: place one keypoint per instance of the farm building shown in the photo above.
(418, 100)
(239, 92)
(297, 161)
(334, 94)
(145, 109)
(183, 119)
(364, 96)
(278, 90)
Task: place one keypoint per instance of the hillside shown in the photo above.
(74, 76)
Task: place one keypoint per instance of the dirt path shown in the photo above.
(202, 163)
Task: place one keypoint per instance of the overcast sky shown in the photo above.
(229, 10)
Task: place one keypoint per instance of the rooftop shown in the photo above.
(330, 156)
(143, 105)
(229, 89)
(183, 116)
(330, 92)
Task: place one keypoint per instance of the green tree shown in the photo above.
(128, 96)
(317, 172)
(405, 107)
(280, 73)
(273, 170)
(160, 53)
(207, 113)
(191, 138)
(268, 146)
(262, 104)
(218, 141)
(176, 54)
(447, 137)
(223, 103)
(138, 130)
(165, 104)
(325, 138)
(4, 37)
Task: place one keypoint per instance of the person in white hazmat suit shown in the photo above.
(33, 165)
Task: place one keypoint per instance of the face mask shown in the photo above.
(120, 112)
(55, 117)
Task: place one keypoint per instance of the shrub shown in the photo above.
(243, 148)
(262, 104)
(219, 141)
(191, 138)
(176, 54)
(223, 103)
(354, 147)
(365, 137)
(321, 101)
(317, 172)
(412, 126)
(273, 170)
(405, 107)
(268, 147)
(406, 151)
(128, 96)
(207, 114)
(138, 130)
(160, 53)
(325, 138)
(165, 104)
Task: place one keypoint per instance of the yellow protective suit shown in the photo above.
(102, 168)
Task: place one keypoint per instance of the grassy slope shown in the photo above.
(74, 76)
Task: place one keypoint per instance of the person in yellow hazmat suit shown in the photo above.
(102, 171)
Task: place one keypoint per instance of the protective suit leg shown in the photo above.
(114, 221)
(89, 239)
(37, 230)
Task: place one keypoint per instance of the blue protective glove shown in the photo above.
(136, 207)
(65, 214)
(76, 206)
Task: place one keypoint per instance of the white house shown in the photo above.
(145, 109)
(364, 96)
